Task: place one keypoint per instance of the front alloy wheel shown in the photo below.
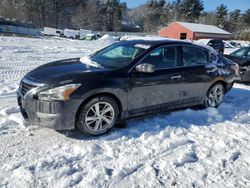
(214, 95)
(98, 116)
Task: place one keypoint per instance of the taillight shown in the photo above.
(236, 68)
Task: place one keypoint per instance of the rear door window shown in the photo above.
(192, 56)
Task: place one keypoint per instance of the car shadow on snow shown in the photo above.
(235, 108)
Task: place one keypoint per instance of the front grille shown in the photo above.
(27, 85)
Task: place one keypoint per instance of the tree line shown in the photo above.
(86, 14)
(156, 14)
(113, 15)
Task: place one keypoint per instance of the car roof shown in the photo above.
(156, 43)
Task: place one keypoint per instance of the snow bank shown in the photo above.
(186, 148)
(107, 38)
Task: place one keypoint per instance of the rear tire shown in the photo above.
(214, 96)
(98, 116)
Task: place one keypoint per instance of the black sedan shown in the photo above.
(242, 58)
(124, 80)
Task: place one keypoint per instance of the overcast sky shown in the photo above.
(208, 4)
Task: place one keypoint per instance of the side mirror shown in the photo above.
(145, 67)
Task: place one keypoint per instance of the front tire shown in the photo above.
(98, 116)
(214, 96)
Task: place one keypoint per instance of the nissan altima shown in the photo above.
(124, 80)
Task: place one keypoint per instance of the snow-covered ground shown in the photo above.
(187, 148)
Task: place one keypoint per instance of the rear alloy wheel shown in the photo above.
(214, 96)
(98, 116)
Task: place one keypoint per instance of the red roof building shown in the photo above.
(192, 31)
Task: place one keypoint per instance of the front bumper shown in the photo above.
(59, 115)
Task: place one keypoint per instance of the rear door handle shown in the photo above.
(175, 77)
(210, 70)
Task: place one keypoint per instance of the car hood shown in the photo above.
(240, 61)
(63, 70)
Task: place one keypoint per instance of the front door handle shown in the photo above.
(175, 77)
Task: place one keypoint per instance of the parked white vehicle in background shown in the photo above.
(49, 31)
(84, 32)
(71, 34)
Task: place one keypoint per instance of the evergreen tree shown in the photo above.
(165, 15)
(112, 12)
(235, 20)
(221, 15)
(235, 16)
(157, 15)
(191, 9)
(176, 9)
(246, 17)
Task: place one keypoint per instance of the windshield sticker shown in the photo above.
(142, 46)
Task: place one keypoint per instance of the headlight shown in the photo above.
(58, 93)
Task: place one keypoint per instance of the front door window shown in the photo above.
(162, 58)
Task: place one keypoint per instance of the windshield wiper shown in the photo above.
(86, 60)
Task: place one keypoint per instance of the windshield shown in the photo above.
(239, 53)
(117, 55)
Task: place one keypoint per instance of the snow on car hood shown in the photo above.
(86, 60)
